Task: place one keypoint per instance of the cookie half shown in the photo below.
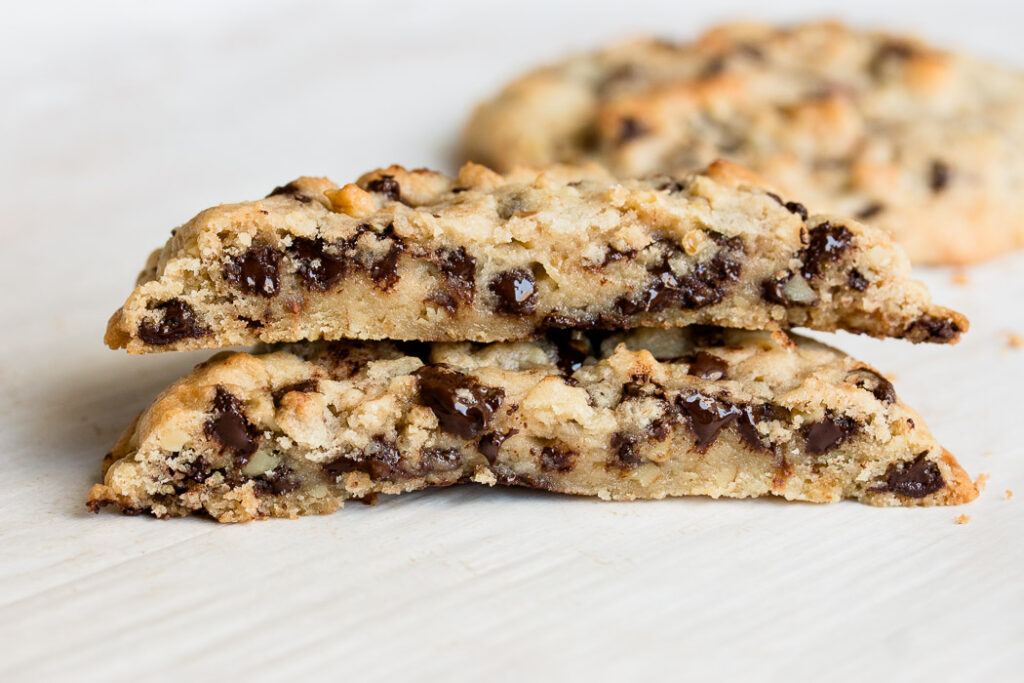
(416, 255)
(925, 143)
(645, 414)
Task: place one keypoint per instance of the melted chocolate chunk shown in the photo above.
(828, 243)
(630, 129)
(707, 366)
(291, 190)
(930, 328)
(257, 271)
(516, 291)
(626, 450)
(490, 444)
(230, 426)
(459, 269)
(832, 431)
(440, 460)
(703, 286)
(306, 386)
(939, 175)
(869, 380)
(179, 322)
(746, 425)
(318, 269)
(707, 417)
(871, 210)
(384, 272)
(557, 459)
(915, 479)
(856, 281)
(572, 350)
(387, 186)
(463, 406)
(277, 482)
(773, 290)
(197, 470)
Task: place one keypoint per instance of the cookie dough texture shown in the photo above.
(483, 257)
(647, 414)
(925, 143)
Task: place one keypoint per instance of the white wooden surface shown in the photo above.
(122, 120)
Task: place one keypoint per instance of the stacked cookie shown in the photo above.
(558, 328)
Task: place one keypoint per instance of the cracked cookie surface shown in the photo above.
(922, 142)
(644, 414)
(416, 255)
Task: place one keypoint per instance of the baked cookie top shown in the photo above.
(643, 414)
(926, 143)
(417, 255)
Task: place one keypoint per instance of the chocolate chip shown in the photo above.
(832, 431)
(306, 386)
(179, 322)
(793, 207)
(869, 380)
(707, 366)
(557, 459)
(746, 425)
(672, 186)
(256, 271)
(888, 52)
(387, 186)
(277, 482)
(939, 175)
(291, 190)
(707, 416)
(516, 291)
(624, 446)
(871, 210)
(856, 281)
(915, 479)
(230, 426)
(384, 272)
(585, 321)
(629, 129)
(197, 470)
(828, 243)
(318, 269)
(773, 289)
(571, 350)
(612, 255)
(510, 206)
(439, 460)
(490, 444)
(932, 329)
(459, 270)
(463, 406)
(703, 286)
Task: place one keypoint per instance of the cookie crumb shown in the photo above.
(962, 519)
(1008, 494)
(960, 278)
(981, 481)
(1014, 340)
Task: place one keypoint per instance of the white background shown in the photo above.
(122, 120)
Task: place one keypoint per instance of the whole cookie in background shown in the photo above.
(926, 143)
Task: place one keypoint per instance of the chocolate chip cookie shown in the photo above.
(644, 414)
(925, 143)
(416, 255)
